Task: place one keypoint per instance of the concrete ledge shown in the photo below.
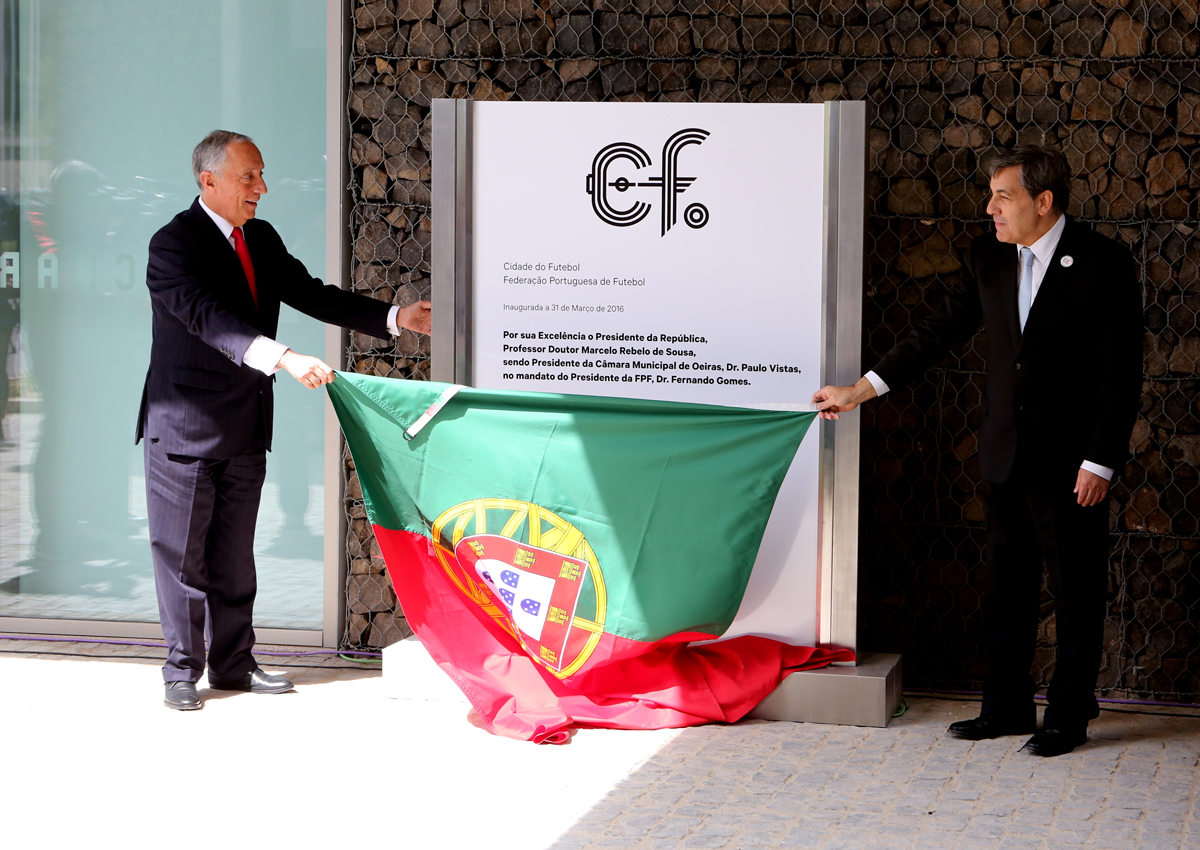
(410, 674)
(865, 695)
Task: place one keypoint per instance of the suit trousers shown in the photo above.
(202, 514)
(1033, 519)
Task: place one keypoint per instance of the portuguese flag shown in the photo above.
(559, 555)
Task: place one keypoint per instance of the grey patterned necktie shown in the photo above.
(1025, 287)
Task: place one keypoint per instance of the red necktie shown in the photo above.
(239, 245)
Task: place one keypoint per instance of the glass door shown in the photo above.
(102, 104)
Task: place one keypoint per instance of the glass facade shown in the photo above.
(102, 104)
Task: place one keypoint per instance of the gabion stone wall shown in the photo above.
(1114, 83)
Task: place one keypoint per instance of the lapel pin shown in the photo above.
(1067, 261)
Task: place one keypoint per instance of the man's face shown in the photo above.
(233, 193)
(1019, 217)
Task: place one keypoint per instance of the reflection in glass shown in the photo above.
(101, 107)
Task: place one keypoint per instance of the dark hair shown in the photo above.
(209, 155)
(1042, 170)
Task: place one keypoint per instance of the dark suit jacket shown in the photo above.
(1067, 389)
(199, 398)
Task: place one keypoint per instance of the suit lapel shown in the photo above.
(218, 247)
(1006, 280)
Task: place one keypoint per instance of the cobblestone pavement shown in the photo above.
(340, 762)
(766, 785)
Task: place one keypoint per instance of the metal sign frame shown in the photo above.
(841, 359)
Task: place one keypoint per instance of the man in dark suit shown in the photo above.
(217, 276)
(1063, 312)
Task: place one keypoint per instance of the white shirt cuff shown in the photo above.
(877, 382)
(393, 328)
(263, 354)
(1096, 469)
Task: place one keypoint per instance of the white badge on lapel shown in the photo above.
(1067, 261)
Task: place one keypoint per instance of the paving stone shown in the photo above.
(968, 842)
(904, 827)
(950, 823)
(1067, 837)
(1161, 831)
(984, 829)
(1016, 842)
(675, 827)
(994, 811)
(1036, 815)
(963, 794)
(1123, 814)
(802, 838)
(1111, 833)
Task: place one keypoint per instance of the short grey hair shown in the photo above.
(210, 154)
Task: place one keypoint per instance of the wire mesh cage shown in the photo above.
(1115, 84)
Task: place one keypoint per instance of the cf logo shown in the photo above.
(669, 182)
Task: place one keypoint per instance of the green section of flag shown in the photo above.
(672, 497)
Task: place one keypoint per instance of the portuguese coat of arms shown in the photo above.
(532, 571)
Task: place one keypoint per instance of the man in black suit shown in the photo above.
(217, 276)
(1063, 312)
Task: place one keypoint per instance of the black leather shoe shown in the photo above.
(1055, 742)
(182, 696)
(987, 726)
(257, 681)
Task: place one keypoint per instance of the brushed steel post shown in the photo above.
(845, 201)
(337, 272)
(450, 278)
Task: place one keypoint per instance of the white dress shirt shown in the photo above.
(264, 353)
(1043, 253)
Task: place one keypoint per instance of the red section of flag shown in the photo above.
(627, 684)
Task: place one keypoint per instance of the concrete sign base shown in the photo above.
(866, 695)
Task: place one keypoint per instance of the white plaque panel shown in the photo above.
(669, 251)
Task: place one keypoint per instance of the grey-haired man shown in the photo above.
(217, 275)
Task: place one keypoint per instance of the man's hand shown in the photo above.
(310, 371)
(415, 317)
(831, 401)
(1090, 488)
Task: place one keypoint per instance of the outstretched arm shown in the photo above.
(831, 401)
(416, 317)
(308, 370)
(313, 372)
